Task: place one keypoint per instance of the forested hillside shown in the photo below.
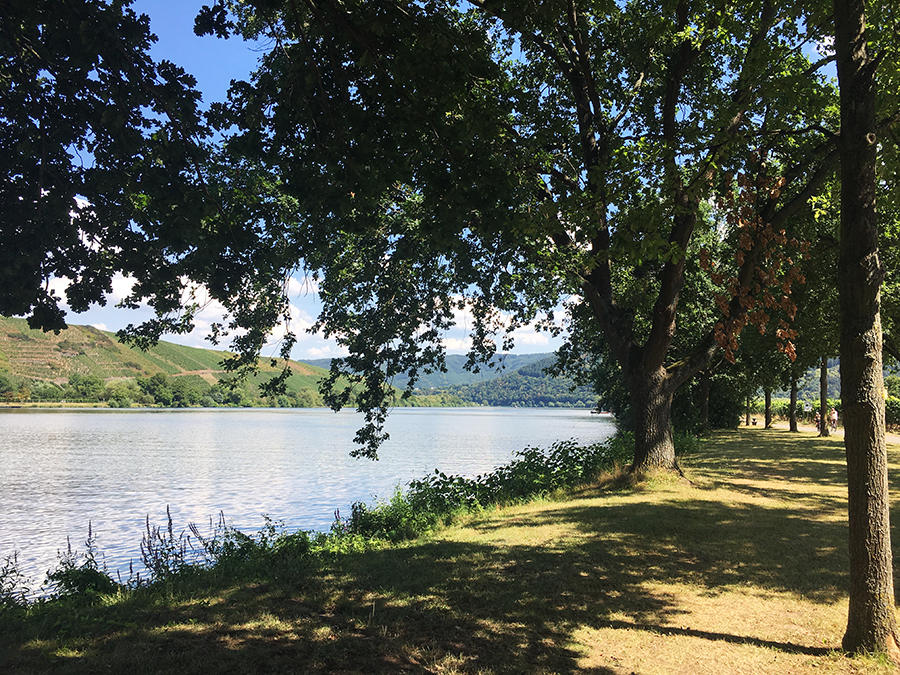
(518, 380)
(527, 386)
(83, 363)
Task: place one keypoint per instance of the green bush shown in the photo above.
(686, 444)
(395, 519)
(892, 410)
(120, 403)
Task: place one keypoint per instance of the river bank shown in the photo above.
(742, 570)
(65, 469)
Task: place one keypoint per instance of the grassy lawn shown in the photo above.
(742, 569)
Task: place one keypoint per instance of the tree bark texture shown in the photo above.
(871, 624)
(651, 399)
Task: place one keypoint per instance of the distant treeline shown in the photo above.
(157, 390)
(523, 389)
(185, 391)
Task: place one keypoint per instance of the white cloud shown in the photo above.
(324, 352)
(211, 311)
(307, 286)
(58, 286)
(457, 344)
(524, 336)
(100, 326)
(531, 337)
(121, 287)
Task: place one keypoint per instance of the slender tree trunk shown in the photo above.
(823, 397)
(768, 395)
(793, 409)
(747, 414)
(871, 624)
(651, 400)
(704, 401)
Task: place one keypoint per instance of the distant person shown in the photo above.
(818, 422)
(834, 416)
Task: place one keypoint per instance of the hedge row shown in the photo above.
(781, 408)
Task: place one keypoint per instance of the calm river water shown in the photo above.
(62, 468)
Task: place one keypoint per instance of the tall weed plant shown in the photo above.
(15, 586)
(81, 575)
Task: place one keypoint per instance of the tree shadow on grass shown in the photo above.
(808, 470)
(476, 607)
(438, 607)
(774, 455)
(802, 469)
(482, 607)
(718, 545)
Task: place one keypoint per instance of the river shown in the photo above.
(64, 468)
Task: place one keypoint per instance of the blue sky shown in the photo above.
(215, 62)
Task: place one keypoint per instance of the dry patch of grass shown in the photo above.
(740, 570)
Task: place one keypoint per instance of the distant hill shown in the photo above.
(457, 374)
(85, 350)
(83, 357)
(528, 387)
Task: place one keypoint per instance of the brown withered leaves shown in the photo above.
(765, 270)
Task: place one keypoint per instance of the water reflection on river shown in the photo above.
(62, 468)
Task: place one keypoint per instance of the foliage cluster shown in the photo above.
(809, 384)
(13, 389)
(14, 585)
(724, 402)
(82, 575)
(892, 411)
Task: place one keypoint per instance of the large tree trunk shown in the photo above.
(871, 625)
(823, 397)
(793, 408)
(651, 400)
